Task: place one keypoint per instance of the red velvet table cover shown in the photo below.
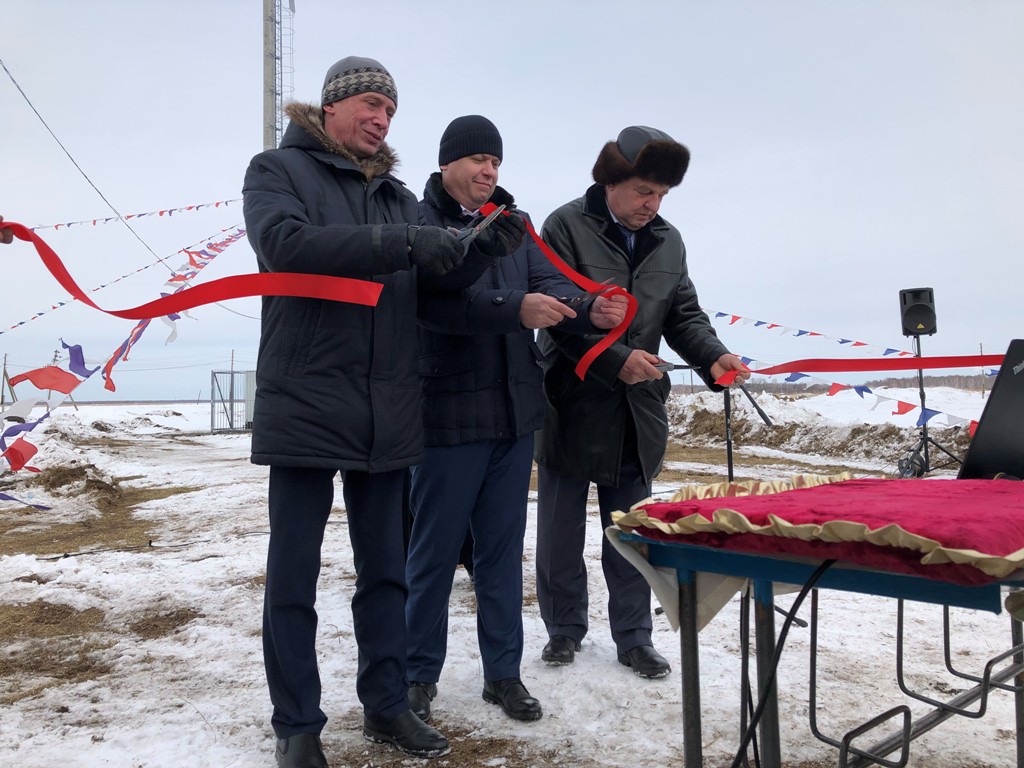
(963, 531)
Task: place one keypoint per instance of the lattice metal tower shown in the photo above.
(277, 66)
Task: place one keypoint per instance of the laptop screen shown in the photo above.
(998, 443)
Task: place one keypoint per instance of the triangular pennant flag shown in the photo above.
(19, 453)
(50, 377)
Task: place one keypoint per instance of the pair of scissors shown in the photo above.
(603, 288)
(468, 234)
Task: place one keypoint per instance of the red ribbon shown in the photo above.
(834, 365)
(234, 287)
(586, 284)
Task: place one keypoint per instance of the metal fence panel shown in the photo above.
(232, 394)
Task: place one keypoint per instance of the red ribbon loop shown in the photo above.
(586, 284)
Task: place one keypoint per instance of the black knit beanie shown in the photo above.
(469, 135)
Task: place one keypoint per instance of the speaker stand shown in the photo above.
(916, 462)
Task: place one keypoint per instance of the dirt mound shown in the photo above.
(75, 480)
(695, 421)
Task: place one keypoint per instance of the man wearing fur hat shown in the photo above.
(483, 402)
(611, 428)
(338, 390)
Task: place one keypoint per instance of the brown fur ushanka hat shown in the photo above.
(645, 153)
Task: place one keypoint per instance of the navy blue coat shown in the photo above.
(481, 369)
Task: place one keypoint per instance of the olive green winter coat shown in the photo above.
(586, 421)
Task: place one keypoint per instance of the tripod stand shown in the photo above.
(915, 462)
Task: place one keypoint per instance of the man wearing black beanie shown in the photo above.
(482, 404)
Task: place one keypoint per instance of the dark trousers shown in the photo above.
(562, 572)
(483, 485)
(300, 502)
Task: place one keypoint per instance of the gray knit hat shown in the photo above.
(469, 135)
(357, 74)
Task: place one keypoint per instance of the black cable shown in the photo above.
(769, 684)
(149, 545)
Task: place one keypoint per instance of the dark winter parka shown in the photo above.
(481, 368)
(586, 421)
(336, 383)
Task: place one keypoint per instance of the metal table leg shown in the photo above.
(1017, 637)
(764, 621)
(693, 756)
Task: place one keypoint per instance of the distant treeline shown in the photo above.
(976, 382)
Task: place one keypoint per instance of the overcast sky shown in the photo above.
(842, 151)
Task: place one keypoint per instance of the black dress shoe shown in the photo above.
(560, 650)
(303, 750)
(645, 661)
(513, 697)
(420, 696)
(409, 734)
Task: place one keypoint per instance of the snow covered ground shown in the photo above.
(164, 668)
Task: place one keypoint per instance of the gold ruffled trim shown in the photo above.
(730, 521)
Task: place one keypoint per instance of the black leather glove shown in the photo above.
(434, 249)
(503, 235)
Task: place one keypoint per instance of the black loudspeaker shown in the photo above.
(917, 310)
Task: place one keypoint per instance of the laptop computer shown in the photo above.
(997, 447)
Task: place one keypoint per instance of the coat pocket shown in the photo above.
(447, 371)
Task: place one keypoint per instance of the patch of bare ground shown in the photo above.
(154, 624)
(743, 466)
(46, 644)
(468, 750)
(111, 525)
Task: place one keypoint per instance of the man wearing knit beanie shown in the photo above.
(613, 429)
(338, 391)
(469, 135)
(362, 123)
(483, 402)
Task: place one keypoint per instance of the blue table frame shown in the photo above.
(688, 560)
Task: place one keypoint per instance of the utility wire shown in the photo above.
(98, 192)
(75, 163)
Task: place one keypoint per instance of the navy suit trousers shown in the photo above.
(300, 503)
(483, 485)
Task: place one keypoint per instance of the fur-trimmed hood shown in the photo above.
(309, 119)
(645, 153)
